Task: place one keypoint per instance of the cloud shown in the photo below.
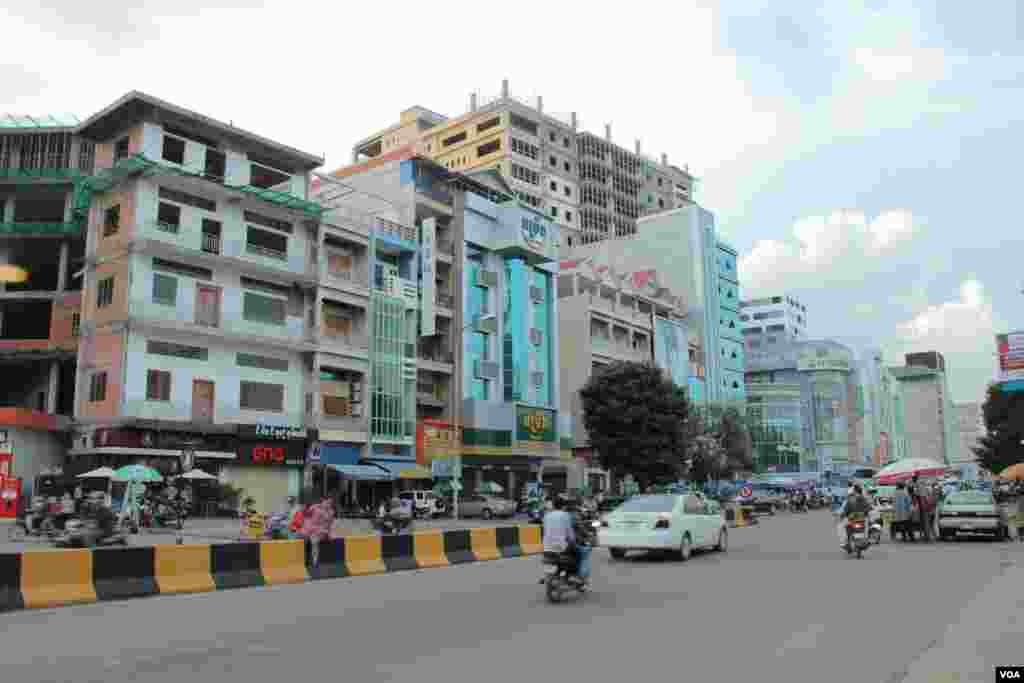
(965, 325)
(927, 64)
(840, 248)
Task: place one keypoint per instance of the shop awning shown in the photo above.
(363, 472)
(405, 470)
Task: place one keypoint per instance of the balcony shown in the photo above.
(396, 230)
(400, 288)
(444, 300)
(432, 395)
(354, 340)
(445, 250)
(265, 251)
(211, 243)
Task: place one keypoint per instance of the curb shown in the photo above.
(45, 579)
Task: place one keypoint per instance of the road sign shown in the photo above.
(313, 456)
(746, 492)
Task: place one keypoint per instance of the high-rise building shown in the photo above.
(607, 316)
(199, 276)
(882, 438)
(970, 428)
(590, 187)
(480, 350)
(928, 410)
(773, 320)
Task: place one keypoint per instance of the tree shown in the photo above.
(1004, 426)
(720, 444)
(636, 419)
(735, 439)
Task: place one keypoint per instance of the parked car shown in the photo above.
(477, 505)
(664, 521)
(424, 502)
(764, 498)
(971, 512)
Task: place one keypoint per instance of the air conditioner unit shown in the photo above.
(487, 325)
(537, 295)
(536, 336)
(486, 278)
(537, 378)
(485, 369)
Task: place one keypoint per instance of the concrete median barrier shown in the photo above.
(38, 579)
(283, 562)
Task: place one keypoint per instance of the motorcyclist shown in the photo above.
(855, 504)
(560, 537)
(100, 513)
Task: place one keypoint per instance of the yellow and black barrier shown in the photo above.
(39, 579)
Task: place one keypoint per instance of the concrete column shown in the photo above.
(608, 132)
(638, 147)
(540, 103)
(504, 88)
(51, 388)
(62, 267)
(574, 121)
(664, 159)
(472, 102)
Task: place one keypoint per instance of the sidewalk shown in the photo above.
(989, 633)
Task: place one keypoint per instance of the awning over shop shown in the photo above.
(405, 470)
(364, 472)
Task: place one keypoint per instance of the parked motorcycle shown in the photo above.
(159, 512)
(97, 525)
(36, 522)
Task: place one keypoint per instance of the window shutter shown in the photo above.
(165, 289)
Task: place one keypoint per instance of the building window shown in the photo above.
(568, 219)
(265, 176)
(568, 190)
(160, 348)
(76, 324)
(248, 360)
(263, 309)
(568, 167)
(105, 292)
(524, 124)
(267, 221)
(554, 212)
(554, 186)
(187, 199)
(488, 148)
(111, 220)
(525, 148)
(552, 137)
(553, 161)
(266, 243)
(527, 175)
(165, 289)
(565, 142)
(168, 217)
(661, 205)
(98, 387)
(158, 385)
(486, 125)
(454, 139)
(122, 148)
(262, 396)
(174, 150)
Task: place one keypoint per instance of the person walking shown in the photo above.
(903, 507)
(926, 505)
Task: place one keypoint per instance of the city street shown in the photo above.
(783, 604)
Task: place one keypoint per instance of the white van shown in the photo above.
(425, 503)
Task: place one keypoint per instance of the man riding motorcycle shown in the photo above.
(855, 504)
(560, 537)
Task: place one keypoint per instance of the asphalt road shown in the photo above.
(784, 604)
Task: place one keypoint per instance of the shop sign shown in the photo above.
(832, 361)
(535, 426)
(534, 233)
(271, 454)
(273, 432)
(428, 317)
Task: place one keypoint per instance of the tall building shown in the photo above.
(683, 246)
(607, 316)
(802, 407)
(773, 320)
(882, 438)
(42, 246)
(588, 186)
(484, 335)
(200, 272)
(970, 428)
(928, 410)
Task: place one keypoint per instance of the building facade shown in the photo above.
(591, 188)
(773, 320)
(928, 411)
(606, 316)
(970, 428)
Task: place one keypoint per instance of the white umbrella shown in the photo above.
(907, 468)
(102, 473)
(197, 474)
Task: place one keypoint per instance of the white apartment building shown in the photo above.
(773, 320)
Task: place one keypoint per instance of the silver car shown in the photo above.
(477, 505)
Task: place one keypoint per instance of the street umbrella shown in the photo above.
(101, 473)
(197, 475)
(1013, 473)
(490, 487)
(907, 468)
(139, 473)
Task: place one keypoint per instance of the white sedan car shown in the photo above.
(669, 522)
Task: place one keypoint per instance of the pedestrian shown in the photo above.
(903, 508)
(925, 506)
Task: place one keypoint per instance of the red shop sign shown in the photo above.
(270, 454)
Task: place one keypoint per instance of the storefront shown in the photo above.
(161, 450)
(269, 465)
(339, 470)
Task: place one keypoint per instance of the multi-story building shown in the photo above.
(881, 437)
(802, 407)
(588, 186)
(483, 349)
(200, 272)
(970, 428)
(773, 320)
(682, 245)
(928, 410)
(42, 239)
(607, 316)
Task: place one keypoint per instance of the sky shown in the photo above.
(862, 158)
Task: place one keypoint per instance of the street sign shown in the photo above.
(313, 457)
(746, 492)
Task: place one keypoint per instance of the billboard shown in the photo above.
(428, 256)
(671, 351)
(813, 360)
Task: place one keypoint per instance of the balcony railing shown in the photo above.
(264, 251)
(354, 340)
(396, 230)
(211, 243)
(444, 300)
(435, 355)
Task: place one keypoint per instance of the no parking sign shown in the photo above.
(746, 492)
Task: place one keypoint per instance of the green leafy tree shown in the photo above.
(636, 419)
(1004, 426)
(735, 439)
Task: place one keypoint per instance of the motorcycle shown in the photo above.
(392, 524)
(162, 513)
(88, 532)
(857, 540)
(875, 532)
(38, 521)
(560, 578)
